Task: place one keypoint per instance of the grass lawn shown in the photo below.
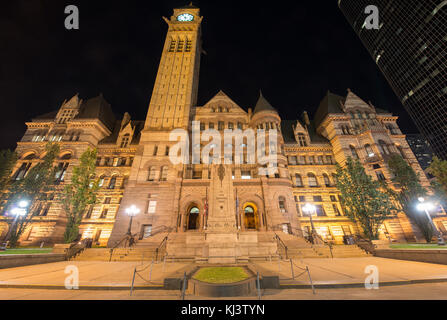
(221, 274)
(417, 246)
(26, 251)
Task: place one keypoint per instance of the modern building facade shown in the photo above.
(410, 48)
(209, 209)
(421, 149)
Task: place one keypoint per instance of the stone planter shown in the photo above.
(61, 248)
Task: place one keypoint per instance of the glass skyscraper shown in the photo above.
(410, 48)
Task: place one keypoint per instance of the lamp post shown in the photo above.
(18, 211)
(310, 209)
(132, 211)
(426, 206)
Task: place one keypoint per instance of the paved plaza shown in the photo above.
(111, 280)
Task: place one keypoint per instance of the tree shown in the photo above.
(32, 188)
(79, 193)
(410, 190)
(8, 159)
(364, 199)
(438, 169)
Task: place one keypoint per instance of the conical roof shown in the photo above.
(263, 104)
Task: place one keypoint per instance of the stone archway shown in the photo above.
(251, 216)
(193, 218)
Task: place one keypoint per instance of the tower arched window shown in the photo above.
(152, 174)
(164, 173)
(282, 204)
(101, 181)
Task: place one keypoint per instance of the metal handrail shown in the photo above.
(74, 250)
(118, 243)
(280, 242)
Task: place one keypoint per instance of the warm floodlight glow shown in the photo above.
(23, 204)
(309, 208)
(132, 211)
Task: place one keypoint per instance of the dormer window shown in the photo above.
(125, 140)
(302, 140)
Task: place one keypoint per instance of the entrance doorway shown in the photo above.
(193, 222)
(251, 219)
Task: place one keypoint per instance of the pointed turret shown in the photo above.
(263, 104)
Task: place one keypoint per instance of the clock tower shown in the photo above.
(175, 90)
(154, 179)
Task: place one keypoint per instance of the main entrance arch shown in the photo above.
(251, 216)
(193, 218)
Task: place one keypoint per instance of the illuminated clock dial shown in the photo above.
(185, 17)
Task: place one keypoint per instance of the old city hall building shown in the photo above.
(210, 210)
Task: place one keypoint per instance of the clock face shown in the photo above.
(185, 17)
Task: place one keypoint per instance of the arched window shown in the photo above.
(327, 182)
(152, 174)
(112, 183)
(31, 156)
(312, 180)
(101, 181)
(125, 140)
(66, 156)
(164, 173)
(383, 147)
(369, 150)
(298, 180)
(282, 204)
(353, 152)
(22, 171)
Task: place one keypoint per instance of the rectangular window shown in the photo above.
(292, 160)
(320, 210)
(221, 125)
(152, 206)
(107, 200)
(245, 174)
(333, 198)
(155, 150)
(318, 199)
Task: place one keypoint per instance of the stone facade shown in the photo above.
(211, 209)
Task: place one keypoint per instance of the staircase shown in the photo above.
(298, 247)
(144, 250)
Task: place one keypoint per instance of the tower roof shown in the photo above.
(188, 6)
(97, 108)
(329, 104)
(263, 104)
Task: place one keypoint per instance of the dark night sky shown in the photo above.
(294, 50)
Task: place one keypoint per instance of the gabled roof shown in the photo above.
(97, 108)
(289, 135)
(112, 139)
(331, 103)
(263, 105)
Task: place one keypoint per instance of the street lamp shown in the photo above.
(426, 206)
(310, 209)
(132, 211)
(18, 211)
